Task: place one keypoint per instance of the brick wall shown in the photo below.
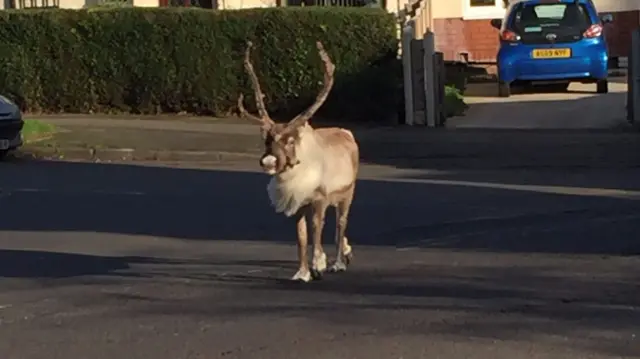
(618, 32)
(479, 39)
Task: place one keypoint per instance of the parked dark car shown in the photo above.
(11, 124)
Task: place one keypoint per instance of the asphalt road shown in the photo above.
(122, 261)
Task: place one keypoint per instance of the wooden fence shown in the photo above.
(423, 67)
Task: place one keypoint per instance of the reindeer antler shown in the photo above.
(255, 84)
(329, 69)
(244, 112)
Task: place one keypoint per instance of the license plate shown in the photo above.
(4, 144)
(551, 53)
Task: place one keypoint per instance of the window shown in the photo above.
(35, 4)
(205, 4)
(345, 3)
(566, 22)
(536, 18)
(484, 9)
(483, 2)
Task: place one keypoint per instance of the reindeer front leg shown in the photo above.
(303, 273)
(319, 261)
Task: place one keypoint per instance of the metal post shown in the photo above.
(633, 73)
(430, 79)
(407, 36)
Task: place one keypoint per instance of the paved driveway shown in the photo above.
(119, 261)
(579, 108)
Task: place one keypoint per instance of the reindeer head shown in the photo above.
(282, 141)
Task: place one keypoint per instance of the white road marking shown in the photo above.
(562, 190)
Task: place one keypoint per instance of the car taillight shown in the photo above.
(593, 31)
(510, 36)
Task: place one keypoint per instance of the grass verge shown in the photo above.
(36, 130)
(454, 104)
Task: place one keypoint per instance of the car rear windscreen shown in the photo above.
(566, 20)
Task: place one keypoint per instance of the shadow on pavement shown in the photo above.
(533, 304)
(458, 210)
(18, 263)
(481, 297)
(542, 304)
(45, 264)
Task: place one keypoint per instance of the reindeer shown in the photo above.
(311, 170)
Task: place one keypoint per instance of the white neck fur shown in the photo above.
(294, 188)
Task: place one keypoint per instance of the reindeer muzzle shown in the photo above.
(269, 163)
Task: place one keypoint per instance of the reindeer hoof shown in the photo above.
(341, 264)
(302, 276)
(316, 274)
(348, 258)
(338, 267)
(318, 266)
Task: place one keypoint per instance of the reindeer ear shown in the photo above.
(299, 130)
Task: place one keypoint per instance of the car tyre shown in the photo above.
(602, 86)
(563, 87)
(3, 154)
(504, 89)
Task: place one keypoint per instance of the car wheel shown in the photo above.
(602, 86)
(504, 89)
(3, 154)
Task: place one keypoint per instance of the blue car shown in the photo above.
(554, 42)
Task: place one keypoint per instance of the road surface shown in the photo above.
(122, 261)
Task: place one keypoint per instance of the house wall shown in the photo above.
(447, 9)
(617, 5)
(146, 3)
(242, 4)
(460, 31)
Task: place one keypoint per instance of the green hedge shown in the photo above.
(167, 60)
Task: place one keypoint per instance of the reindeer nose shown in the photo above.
(268, 161)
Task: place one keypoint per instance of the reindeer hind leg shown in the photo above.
(344, 252)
